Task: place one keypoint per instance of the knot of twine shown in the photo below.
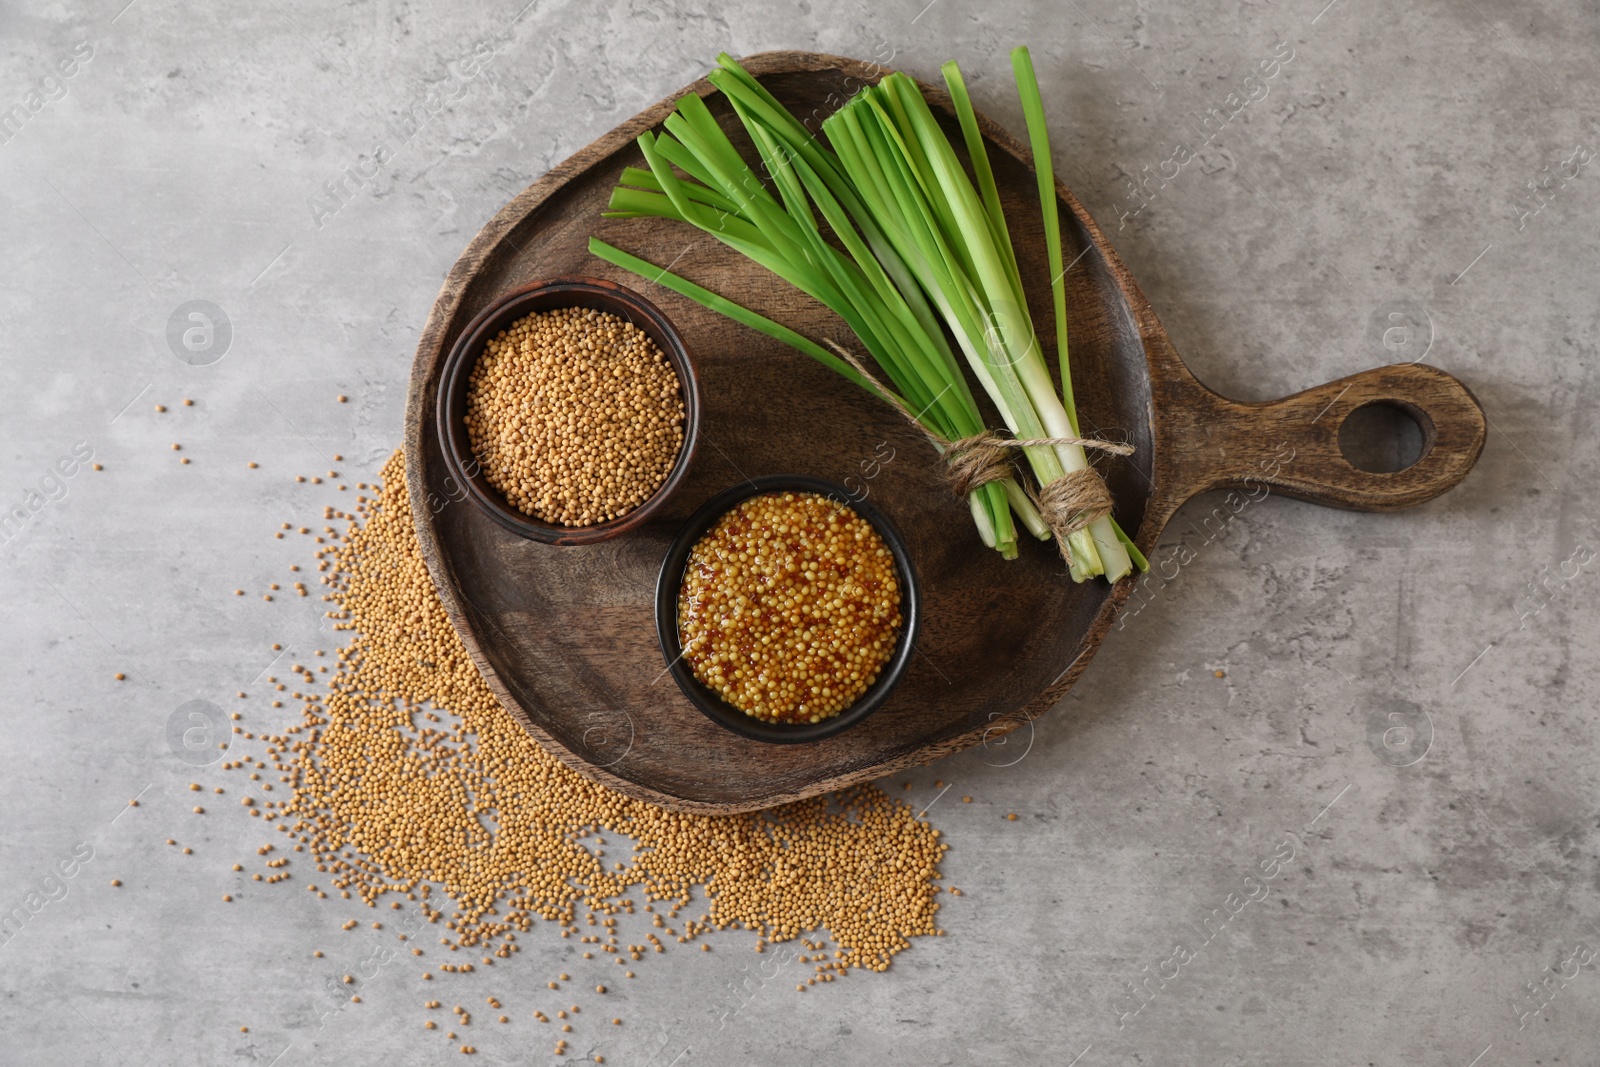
(1067, 505)
(1073, 501)
(972, 462)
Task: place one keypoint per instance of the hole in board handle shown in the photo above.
(1382, 437)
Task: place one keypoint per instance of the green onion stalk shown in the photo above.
(954, 238)
(864, 283)
(921, 250)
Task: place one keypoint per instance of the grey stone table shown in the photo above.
(1327, 798)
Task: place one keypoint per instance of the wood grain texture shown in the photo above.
(565, 636)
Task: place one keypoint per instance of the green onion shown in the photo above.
(723, 197)
(956, 242)
(1110, 541)
(883, 226)
(1044, 169)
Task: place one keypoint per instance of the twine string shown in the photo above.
(1068, 504)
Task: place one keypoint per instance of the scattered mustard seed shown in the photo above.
(867, 864)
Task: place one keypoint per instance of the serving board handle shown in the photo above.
(1291, 446)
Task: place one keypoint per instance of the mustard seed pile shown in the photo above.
(575, 416)
(790, 607)
(405, 776)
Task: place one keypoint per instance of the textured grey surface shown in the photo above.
(1391, 697)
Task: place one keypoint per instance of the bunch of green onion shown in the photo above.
(919, 250)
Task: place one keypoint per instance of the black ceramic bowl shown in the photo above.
(547, 296)
(671, 581)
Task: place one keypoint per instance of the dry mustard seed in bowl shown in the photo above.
(575, 415)
(568, 411)
(784, 613)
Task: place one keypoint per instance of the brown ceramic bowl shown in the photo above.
(547, 296)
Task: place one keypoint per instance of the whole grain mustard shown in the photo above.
(789, 607)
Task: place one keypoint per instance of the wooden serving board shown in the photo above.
(565, 636)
